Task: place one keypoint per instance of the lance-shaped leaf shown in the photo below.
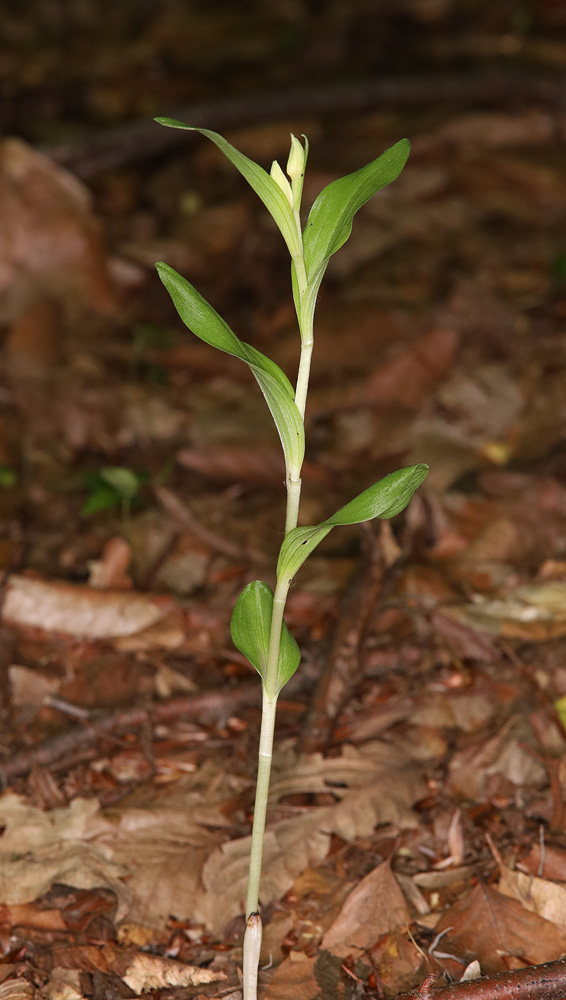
(262, 183)
(330, 219)
(250, 628)
(384, 499)
(206, 324)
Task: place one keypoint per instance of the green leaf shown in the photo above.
(330, 219)
(125, 482)
(262, 183)
(250, 627)
(384, 499)
(206, 324)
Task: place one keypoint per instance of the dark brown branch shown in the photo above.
(343, 667)
(138, 141)
(80, 740)
(537, 982)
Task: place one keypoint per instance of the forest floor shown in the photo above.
(417, 819)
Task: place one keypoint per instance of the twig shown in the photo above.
(188, 522)
(139, 141)
(80, 741)
(537, 982)
(343, 667)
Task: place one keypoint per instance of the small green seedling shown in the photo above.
(113, 486)
(258, 629)
(8, 476)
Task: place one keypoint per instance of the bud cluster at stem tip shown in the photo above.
(295, 170)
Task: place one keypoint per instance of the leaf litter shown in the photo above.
(427, 829)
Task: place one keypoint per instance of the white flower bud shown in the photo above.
(296, 161)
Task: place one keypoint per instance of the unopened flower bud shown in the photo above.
(296, 161)
(282, 182)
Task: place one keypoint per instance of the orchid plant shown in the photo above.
(258, 628)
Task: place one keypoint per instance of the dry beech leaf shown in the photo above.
(506, 755)
(374, 908)
(73, 609)
(374, 787)
(63, 984)
(550, 862)
(150, 972)
(536, 612)
(537, 894)
(38, 849)
(295, 977)
(17, 989)
(407, 379)
(489, 926)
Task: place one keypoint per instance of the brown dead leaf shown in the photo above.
(32, 915)
(408, 378)
(376, 786)
(73, 609)
(549, 862)
(111, 571)
(17, 989)
(38, 849)
(536, 894)
(374, 908)
(536, 612)
(295, 977)
(151, 972)
(51, 241)
(492, 927)
(235, 463)
(63, 984)
(505, 755)
(399, 962)
(32, 348)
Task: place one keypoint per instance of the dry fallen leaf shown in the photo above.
(490, 927)
(17, 989)
(374, 908)
(51, 240)
(63, 984)
(374, 787)
(151, 972)
(536, 612)
(295, 977)
(78, 610)
(537, 894)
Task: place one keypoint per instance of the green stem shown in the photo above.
(262, 789)
(270, 692)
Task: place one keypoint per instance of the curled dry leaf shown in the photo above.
(17, 989)
(150, 972)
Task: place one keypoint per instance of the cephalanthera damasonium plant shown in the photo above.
(257, 626)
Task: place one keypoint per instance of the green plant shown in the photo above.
(113, 486)
(257, 626)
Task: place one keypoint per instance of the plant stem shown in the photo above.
(270, 692)
(262, 789)
(252, 949)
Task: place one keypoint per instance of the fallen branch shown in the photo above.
(139, 141)
(537, 982)
(80, 740)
